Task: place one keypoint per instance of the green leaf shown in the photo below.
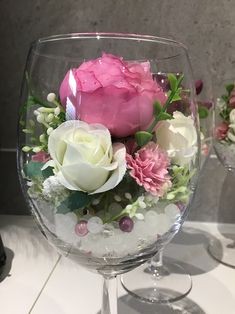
(164, 116)
(203, 112)
(225, 98)
(157, 108)
(229, 87)
(33, 169)
(173, 81)
(176, 97)
(46, 173)
(75, 201)
(143, 137)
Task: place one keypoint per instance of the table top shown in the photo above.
(38, 281)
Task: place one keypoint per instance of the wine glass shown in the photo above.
(104, 161)
(163, 279)
(223, 248)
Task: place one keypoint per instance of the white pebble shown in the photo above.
(95, 225)
(172, 211)
(128, 196)
(151, 216)
(117, 198)
(114, 209)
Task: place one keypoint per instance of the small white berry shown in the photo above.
(37, 149)
(117, 198)
(40, 118)
(57, 111)
(50, 117)
(95, 201)
(129, 207)
(128, 196)
(142, 204)
(26, 149)
(49, 130)
(42, 138)
(51, 97)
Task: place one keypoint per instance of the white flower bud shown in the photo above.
(37, 149)
(57, 111)
(49, 118)
(51, 97)
(40, 118)
(49, 130)
(117, 198)
(42, 138)
(26, 149)
(128, 196)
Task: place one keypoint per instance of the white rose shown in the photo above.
(231, 131)
(178, 137)
(84, 158)
(232, 116)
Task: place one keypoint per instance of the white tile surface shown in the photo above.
(72, 289)
(32, 263)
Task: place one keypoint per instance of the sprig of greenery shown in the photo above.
(181, 176)
(143, 137)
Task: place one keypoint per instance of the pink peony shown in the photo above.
(113, 92)
(41, 157)
(221, 131)
(149, 169)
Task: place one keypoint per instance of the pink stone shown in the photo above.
(81, 228)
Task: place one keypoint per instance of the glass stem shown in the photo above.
(109, 305)
(156, 260)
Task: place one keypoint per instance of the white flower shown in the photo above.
(178, 137)
(232, 116)
(84, 158)
(53, 189)
(231, 131)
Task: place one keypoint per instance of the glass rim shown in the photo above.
(107, 35)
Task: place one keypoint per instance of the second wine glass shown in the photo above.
(163, 279)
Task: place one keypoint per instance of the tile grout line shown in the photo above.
(8, 150)
(44, 285)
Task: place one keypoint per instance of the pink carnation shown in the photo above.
(41, 157)
(221, 131)
(149, 169)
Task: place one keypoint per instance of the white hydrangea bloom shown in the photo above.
(53, 189)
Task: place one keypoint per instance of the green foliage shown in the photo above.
(203, 112)
(143, 137)
(173, 81)
(164, 116)
(75, 201)
(181, 176)
(229, 87)
(157, 108)
(33, 170)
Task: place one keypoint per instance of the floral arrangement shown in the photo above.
(114, 144)
(225, 130)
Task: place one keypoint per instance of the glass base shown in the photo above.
(223, 250)
(167, 283)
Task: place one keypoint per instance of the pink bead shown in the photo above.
(81, 228)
